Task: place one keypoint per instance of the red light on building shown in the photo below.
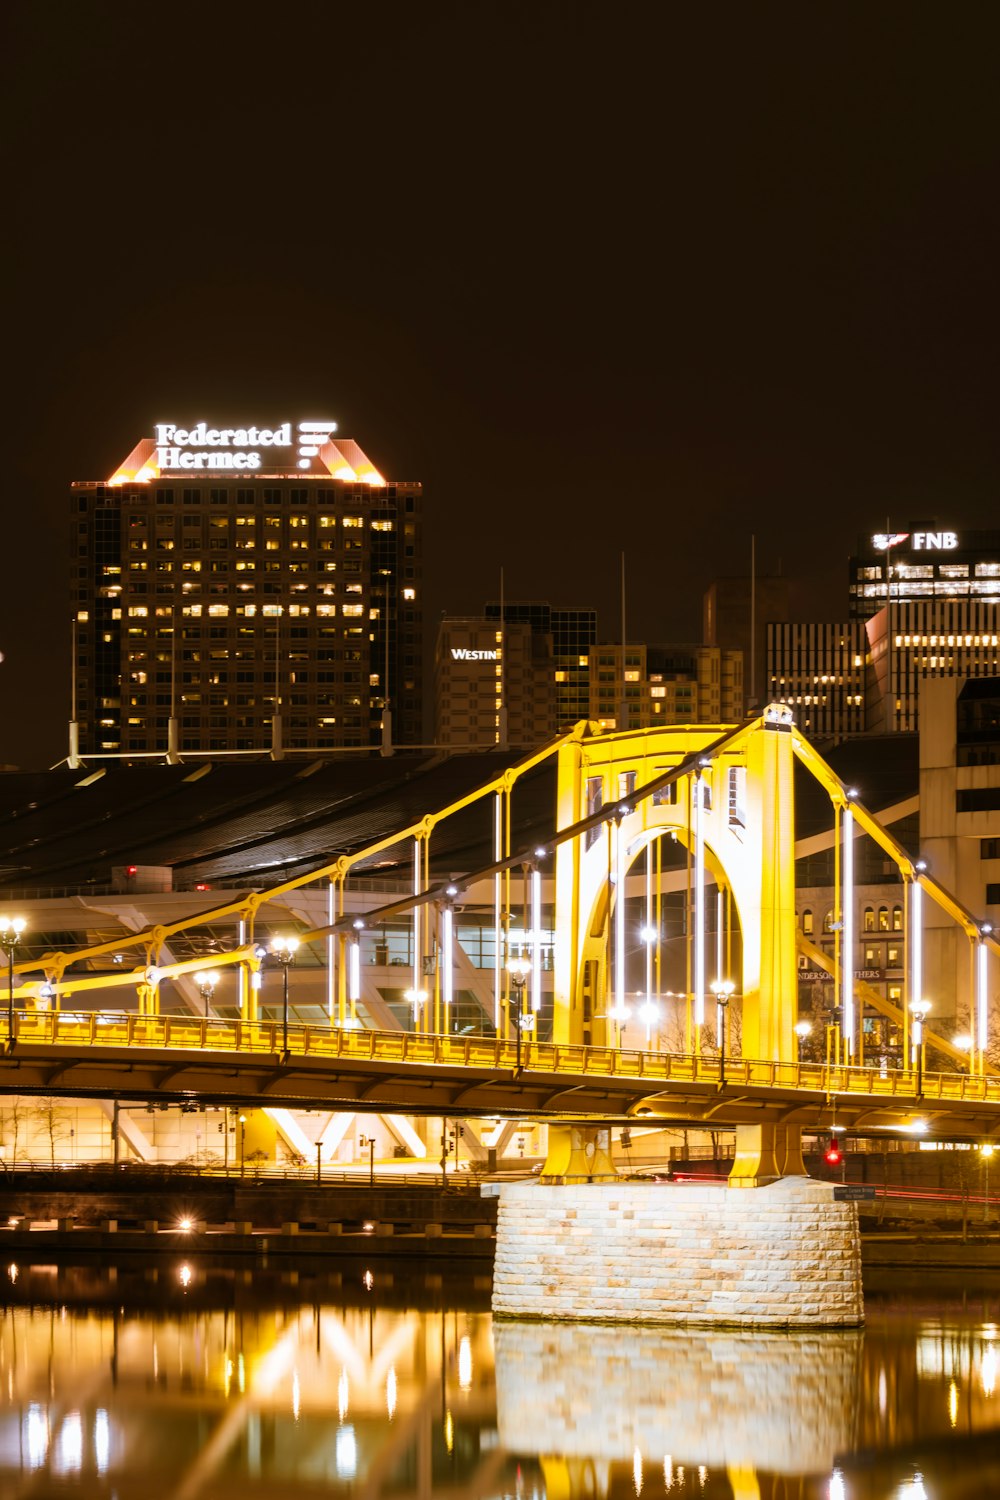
(201, 886)
(833, 1155)
(131, 870)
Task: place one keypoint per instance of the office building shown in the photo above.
(735, 616)
(921, 605)
(646, 685)
(221, 574)
(476, 666)
(573, 633)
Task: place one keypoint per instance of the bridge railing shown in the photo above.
(104, 1029)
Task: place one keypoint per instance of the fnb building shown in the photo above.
(242, 589)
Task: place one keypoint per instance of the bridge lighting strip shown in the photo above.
(242, 981)
(847, 930)
(331, 977)
(447, 961)
(354, 970)
(649, 924)
(982, 1000)
(699, 905)
(417, 918)
(497, 919)
(536, 941)
(916, 941)
(619, 922)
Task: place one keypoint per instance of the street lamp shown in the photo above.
(518, 969)
(417, 998)
(802, 1029)
(964, 1044)
(918, 1010)
(10, 935)
(243, 1144)
(283, 952)
(722, 989)
(206, 980)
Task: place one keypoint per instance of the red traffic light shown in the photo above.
(833, 1154)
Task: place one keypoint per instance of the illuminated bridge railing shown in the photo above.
(256, 1039)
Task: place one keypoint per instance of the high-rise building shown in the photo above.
(223, 573)
(573, 633)
(735, 615)
(922, 605)
(477, 667)
(647, 685)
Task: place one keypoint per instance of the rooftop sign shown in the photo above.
(922, 541)
(276, 449)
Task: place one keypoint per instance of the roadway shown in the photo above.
(182, 1058)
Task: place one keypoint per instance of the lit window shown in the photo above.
(409, 594)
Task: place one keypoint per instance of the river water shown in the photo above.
(188, 1379)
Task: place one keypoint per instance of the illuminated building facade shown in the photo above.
(821, 671)
(573, 633)
(223, 573)
(922, 604)
(648, 685)
(476, 664)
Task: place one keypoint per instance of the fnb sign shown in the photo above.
(935, 541)
(923, 541)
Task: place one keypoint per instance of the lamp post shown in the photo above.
(722, 989)
(518, 969)
(10, 936)
(243, 1144)
(802, 1029)
(283, 951)
(417, 998)
(918, 1010)
(206, 980)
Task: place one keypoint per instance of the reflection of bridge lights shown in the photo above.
(837, 1490)
(296, 1395)
(702, 1475)
(637, 1471)
(102, 1440)
(227, 1375)
(241, 1375)
(449, 1431)
(343, 1395)
(36, 1435)
(13, 1272)
(465, 1363)
(346, 1453)
(390, 1392)
(912, 1489)
(369, 1281)
(988, 1370)
(69, 1446)
(668, 1473)
(185, 1273)
(953, 1404)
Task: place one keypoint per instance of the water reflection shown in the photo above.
(201, 1384)
(781, 1402)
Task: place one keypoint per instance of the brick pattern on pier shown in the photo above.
(786, 1255)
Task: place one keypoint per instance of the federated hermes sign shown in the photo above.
(234, 449)
(261, 449)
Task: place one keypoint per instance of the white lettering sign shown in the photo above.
(929, 541)
(236, 449)
(462, 653)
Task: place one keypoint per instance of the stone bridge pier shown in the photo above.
(769, 1249)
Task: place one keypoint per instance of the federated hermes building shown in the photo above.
(921, 604)
(238, 588)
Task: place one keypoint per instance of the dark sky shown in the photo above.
(605, 278)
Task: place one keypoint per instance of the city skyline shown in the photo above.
(651, 289)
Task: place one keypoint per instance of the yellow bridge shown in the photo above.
(703, 816)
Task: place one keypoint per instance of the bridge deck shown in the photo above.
(239, 1062)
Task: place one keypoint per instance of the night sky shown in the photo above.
(605, 278)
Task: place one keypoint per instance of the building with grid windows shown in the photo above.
(478, 667)
(646, 685)
(573, 633)
(246, 589)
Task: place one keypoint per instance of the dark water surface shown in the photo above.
(188, 1379)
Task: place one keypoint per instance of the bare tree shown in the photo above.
(13, 1119)
(52, 1122)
